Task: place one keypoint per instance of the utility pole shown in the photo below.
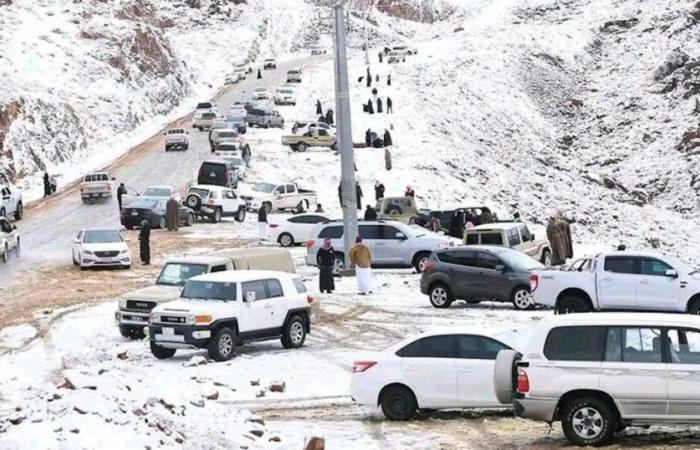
(347, 156)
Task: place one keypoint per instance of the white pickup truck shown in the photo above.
(96, 185)
(620, 280)
(278, 196)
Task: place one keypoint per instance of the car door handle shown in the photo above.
(267, 306)
(644, 281)
(412, 368)
(465, 370)
(607, 279)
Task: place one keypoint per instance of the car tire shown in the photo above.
(162, 223)
(572, 304)
(240, 215)
(286, 240)
(694, 306)
(135, 333)
(522, 299)
(268, 124)
(588, 421)
(18, 249)
(19, 212)
(398, 403)
(294, 333)
(440, 296)
(301, 147)
(222, 346)
(190, 220)
(216, 217)
(546, 258)
(161, 352)
(505, 375)
(419, 260)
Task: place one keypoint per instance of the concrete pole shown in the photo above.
(347, 156)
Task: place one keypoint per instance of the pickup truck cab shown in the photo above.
(214, 202)
(312, 137)
(515, 235)
(220, 311)
(96, 185)
(620, 280)
(11, 202)
(9, 239)
(278, 196)
(176, 139)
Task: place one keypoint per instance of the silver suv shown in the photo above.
(263, 117)
(392, 244)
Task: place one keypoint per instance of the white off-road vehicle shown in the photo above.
(214, 202)
(96, 185)
(9, 239)
(11, 202)
(220, 311)
(278, 196)
(176, 139)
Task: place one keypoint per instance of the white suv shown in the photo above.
(11, 202)
(9, 239)
(221, 310)
(599, 373)
(215, 202)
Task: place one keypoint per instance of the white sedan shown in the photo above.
(261, 94)
(296, 229)
(437, 370)
(101, 247)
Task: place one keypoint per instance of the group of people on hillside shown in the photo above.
(372, 139)
(327, 118)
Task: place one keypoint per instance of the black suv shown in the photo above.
(218, 173)
(478, 272)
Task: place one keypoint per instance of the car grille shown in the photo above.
(106, 254)
(138, 304)
(172, 319)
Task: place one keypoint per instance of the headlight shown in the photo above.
(202, 320)
(122, 303)
(153, 318)
(87, 252)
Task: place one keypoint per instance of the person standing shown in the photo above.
(379, 106)
(53, 183)
(387, 158)
(145, 242)
(47, 185)
(409, 192)
(259, 74)
(389, 106)
(369, 78)
(329, 117)
(388, 80)
(378, 190)
(380, 57)
(262, 223)
(319, 109)
(326, 262)
(121, 190)
(387, 139)
(172, 214)
(319, 208)
(370, 213)
(361, 257)
(368, 138)
(358, 194)
(370, 108)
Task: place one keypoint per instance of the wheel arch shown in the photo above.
(219, 324)
(304, 313)
(418, 253)
(577, 393)
(396, 384)
(516, 287)
(578, 292)
(693, 298)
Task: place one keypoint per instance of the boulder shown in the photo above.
(675, 60)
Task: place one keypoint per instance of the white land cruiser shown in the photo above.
(219, 311)
(600, 373)
(176, 139)
(278, 196)
(11, 202)
(9, 239)
(515, 235)
(96, 185)
(215, 202)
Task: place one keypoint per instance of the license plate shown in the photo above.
(168, 331)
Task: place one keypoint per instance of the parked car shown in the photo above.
(222, 134)
(396, 57)
(217, 172)
(233, 158)
(269, 64)
(261, 93)
(296, 229)
(396, 208)
(312, 137)
(237, 109)
(219, 311)
(214, 202)
(96, 185)
(203, 107)
(638, 281)
(176, 139)
(237, 122)
(392, 244)
(315, 51)
(278, 196)
(154, 211)
(294, 76)
(100, 247)
(284, 96)
(444, 369)
(135, 307)
(263, 117)
(480, 214)
(155, 192)
(203, 120)
(598, 374)
(476, 273)
(233, 78)
(11, 202)
(9, 239)
(515, 235)
(302, 127)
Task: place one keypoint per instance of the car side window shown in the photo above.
(274, 288)
(322, 132)
(473, 239)
(487, 261)
(254, 286)
(430, 347)
(299, 284)
(491, 239)
(621, 264)
(219, 268)
(634, 344)
(372, 232)
(513, 237)
(576, 343)
(653, 267)
(478, 347)
(332, 232)
(297, 220)
(388, 232)
(458, 257)
(525, 233)
(684, 346)
(279, 190)
(290, 188)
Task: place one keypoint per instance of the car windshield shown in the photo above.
(209, 290)
(143, 203)
(203, 193)
(264, 187)
(156, 192)
(175, 274)
(519, 261)
(101, 236)
(204, 105)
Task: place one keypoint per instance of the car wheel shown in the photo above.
(19, 212)
(132, 332)
(190, 220)
(294, 333)
(216, 217)
(440, 296)
(240, 216)
(505, 375)
(546, 258)
(588, 421)
(694, 306)
(398, 403)
(572, 304)
(286, 240)
(222, 346)
(162, 223)
(301, 147)
(419, 261)
(161, 352)
(522, 299)
(18, 249)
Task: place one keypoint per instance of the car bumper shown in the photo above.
(362, 391)
(127, 317)
(535, 408)
(95, 261)
(96, 194)
(180, 145)
(179, 336)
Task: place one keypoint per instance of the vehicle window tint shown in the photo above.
(513, 237)
(478, 347)
(653, 267)
(388, 232)
(491, 239)
(334, 232)
(490, 348)
(472, 239)
(279, 190)
(684, 346)
(297, 220)
(487, 261)
(299, 284)
(219, 268)
(575, 344)
(620, 264)
(274, 288)
(322, 132)
(430, 347)
(317, 219)
(458, 257)
(254, 286)
(371, 232)
(290, 188)
(525, 233)
(641, 344)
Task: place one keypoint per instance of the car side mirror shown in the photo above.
(250, 297)
(76, 241)
(671, 273)
(400, 236)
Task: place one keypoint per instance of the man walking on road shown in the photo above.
(171, 214)
(361, 257)
(358, 193)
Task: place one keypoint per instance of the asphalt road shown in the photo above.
(49, 226)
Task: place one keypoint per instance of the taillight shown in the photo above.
(428, 266)
(310, 299)
(523, 382)
(534, 282)
(361, 366)
(310, 243)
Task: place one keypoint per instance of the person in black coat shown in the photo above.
(380, 56)
(319, 109)
(326, 262)
(379, 106)
(389, 106)
(378, 191)
(145, 242)
(259, 74)
(329, 116)
(409, 192)
(370, 213)
(121, 190)
(376, 78)
(387, 139)
(358, 193)
(369, 78)
(370, 108)
(368, 138)
(47, 185)
(388, 80)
